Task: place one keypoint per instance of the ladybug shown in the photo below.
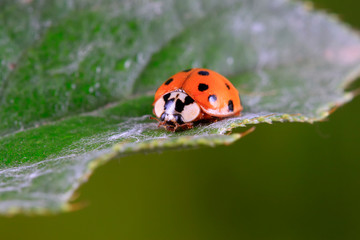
(195, 95)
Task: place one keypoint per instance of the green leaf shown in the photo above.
(77, 81)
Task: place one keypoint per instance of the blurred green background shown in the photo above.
(285, 181)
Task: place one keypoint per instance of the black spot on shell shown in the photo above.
(166, 97)
(212, 98)
(188, 100)
(231, 106)
(179, 106)
(202, 87)
(187, 70)
(203, 73)
(227, 85)
(169, 81)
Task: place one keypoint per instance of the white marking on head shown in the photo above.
(190, 112)
(159, 107)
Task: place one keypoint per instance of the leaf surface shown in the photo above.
(77, 81)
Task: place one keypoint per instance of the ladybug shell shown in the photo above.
(215, 94)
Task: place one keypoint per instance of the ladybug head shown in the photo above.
(176, 108)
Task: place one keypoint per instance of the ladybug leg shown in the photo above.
(162, 124)
(175, 127)
(187, 125)
(170, 128)
(166, 126)
(214, 119)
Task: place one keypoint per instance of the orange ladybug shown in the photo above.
(194, 95)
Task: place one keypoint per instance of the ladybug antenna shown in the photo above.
(152, 118)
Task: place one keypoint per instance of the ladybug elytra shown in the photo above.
(194, 95)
